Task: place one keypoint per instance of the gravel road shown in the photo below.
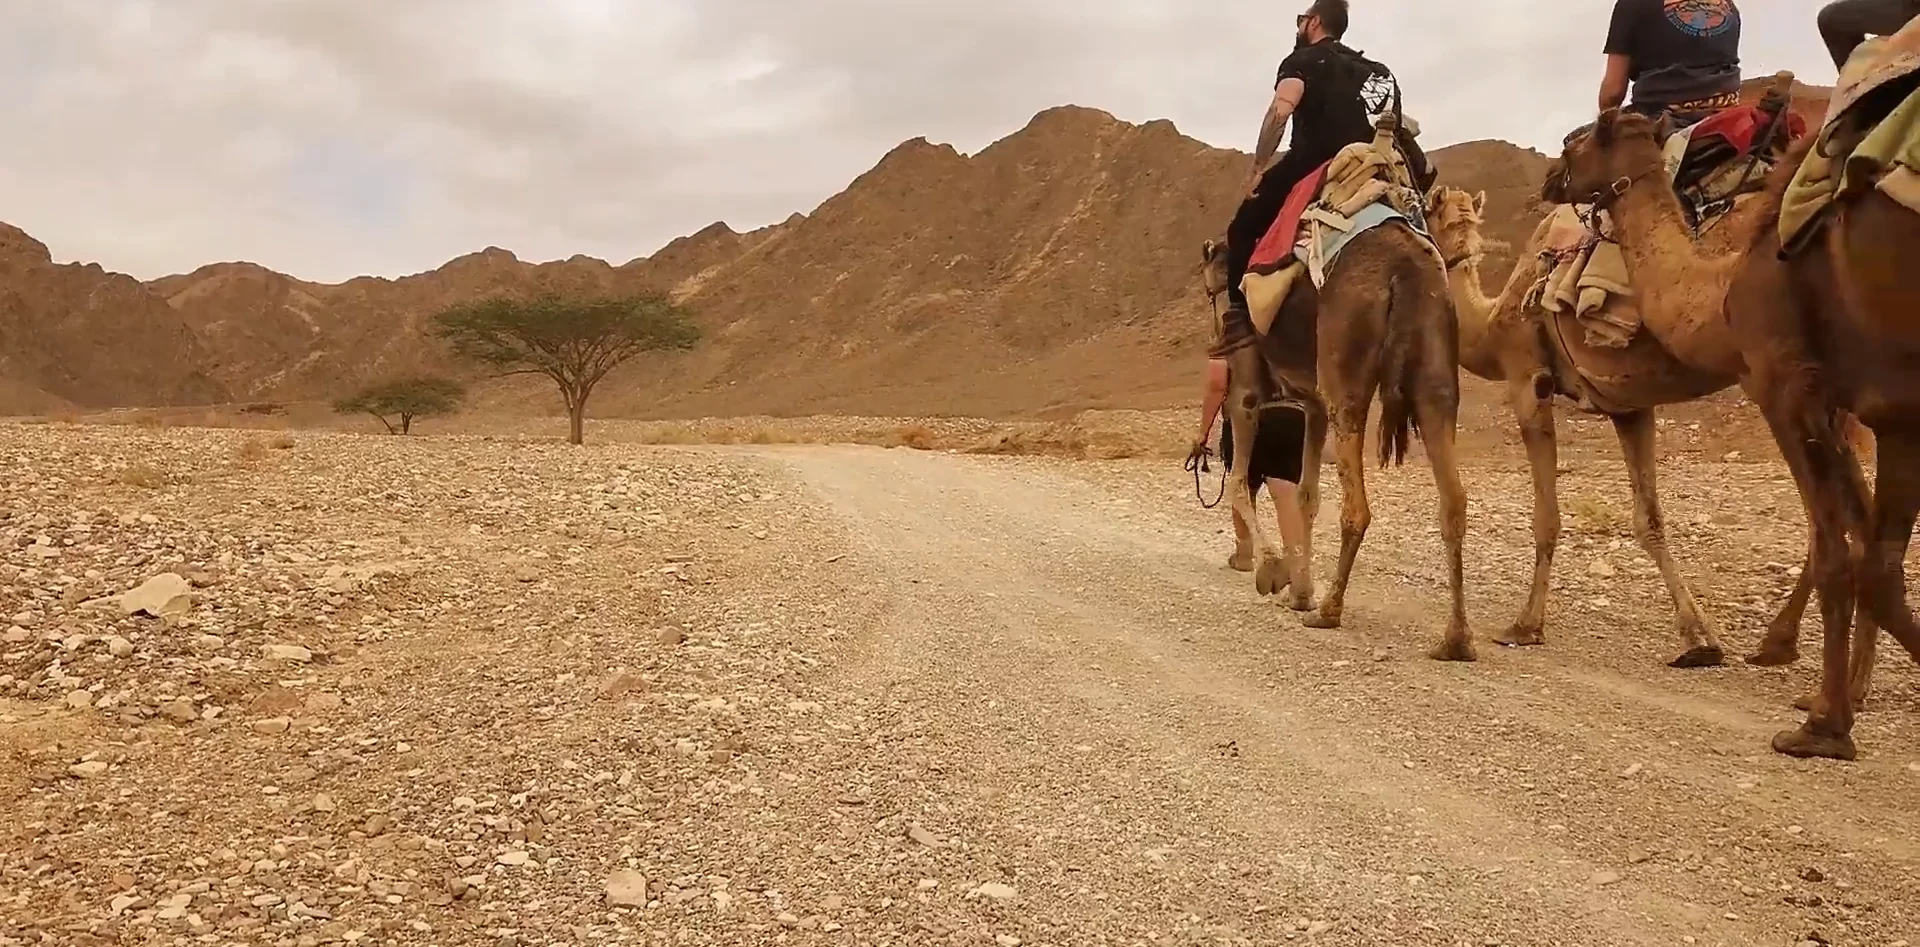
(629, 695)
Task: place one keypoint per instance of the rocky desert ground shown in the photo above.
(314, 687)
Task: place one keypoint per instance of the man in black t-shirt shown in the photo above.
(1319, 87)
(1845, 24)
(1680, 56)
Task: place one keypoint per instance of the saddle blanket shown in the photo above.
(1849, 158)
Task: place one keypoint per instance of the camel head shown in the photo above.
(1599, 162)
(1213, 267)
(1454, 218)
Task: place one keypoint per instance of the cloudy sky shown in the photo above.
(329, 138)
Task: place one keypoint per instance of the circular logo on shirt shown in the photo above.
(1700, 17)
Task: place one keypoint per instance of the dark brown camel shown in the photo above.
(1382, 323)
(1835, 328)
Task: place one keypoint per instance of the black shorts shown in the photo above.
(1278, 450)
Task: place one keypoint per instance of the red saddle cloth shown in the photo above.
(1275, 250)
(1740, 127)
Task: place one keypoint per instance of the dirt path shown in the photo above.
(476, 691)
(1159, 753)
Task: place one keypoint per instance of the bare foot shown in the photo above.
(1271, 578)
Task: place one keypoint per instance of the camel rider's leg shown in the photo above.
(1287, 513)
(1256, 214)
(1242, 558)
(1279, 457)
(1845, 24)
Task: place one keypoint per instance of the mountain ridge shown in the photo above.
(1054, 269)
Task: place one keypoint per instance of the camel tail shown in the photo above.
(1398, 369)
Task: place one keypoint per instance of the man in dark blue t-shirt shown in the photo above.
(1680, 56)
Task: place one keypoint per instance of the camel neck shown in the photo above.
(1473, 310)
(1651, 228)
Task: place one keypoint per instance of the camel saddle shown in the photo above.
(1870, 139)
(1364, 186)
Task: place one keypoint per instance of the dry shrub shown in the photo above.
(1598, 516)
(143, 476)
(147, 420)
(671, 434)
(250, 451)
(281, 442)
(915, 436)
(769, 435)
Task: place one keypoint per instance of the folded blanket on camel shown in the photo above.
(1848, 158)
(1361, 188)
(1588, 271)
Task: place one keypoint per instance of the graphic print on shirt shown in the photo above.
(1700, 17)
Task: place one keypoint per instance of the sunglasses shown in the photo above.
(1302, 19)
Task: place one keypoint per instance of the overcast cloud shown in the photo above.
(330, 138)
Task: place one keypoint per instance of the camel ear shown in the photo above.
(1663, 128)
(1434, 196)
(1479, 201)
(1603, 128)
(1206, 251)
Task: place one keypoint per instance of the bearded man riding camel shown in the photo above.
(1320, 84)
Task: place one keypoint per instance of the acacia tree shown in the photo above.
(404, 399)
(573, 341)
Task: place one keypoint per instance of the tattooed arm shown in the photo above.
(1286, 98)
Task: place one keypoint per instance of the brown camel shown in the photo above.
(1383, 322)
(1829, 330)
(1504, 339)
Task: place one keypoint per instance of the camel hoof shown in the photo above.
(1453, 649)
(1521, 636)
(1700, 656)
(1302, 598)
(1240, 562)
(1322, 619)
(1768, 657)
(1271, 577)
(1805, 744)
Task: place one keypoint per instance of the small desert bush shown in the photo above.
(915, 436)
(250, 451)
(143, 476)
(1598, 516)
(281, 442)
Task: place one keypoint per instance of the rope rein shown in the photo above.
(1197, 463)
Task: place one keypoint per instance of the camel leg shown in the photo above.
(1780, 646)
(1246, 425)
(1866, 632)
(1349, 445)
(1533, 409)
(1301, 595)
(1242, 558)
(1437, 425)
(1636, 432)
(1896, 504)
(1828, 732)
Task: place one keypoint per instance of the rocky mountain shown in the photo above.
(76, 335)
(1052, 272)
